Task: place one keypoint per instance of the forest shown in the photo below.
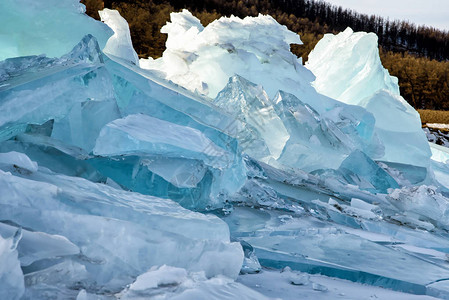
(417, 55)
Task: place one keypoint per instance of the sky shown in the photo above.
(433, 13)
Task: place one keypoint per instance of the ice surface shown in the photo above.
(439, 153)
(181, 172)
(140, 134)
(163, 276)
(167, 282)
(93, 94)
(359, 169)
(91, 115)
(282, 130)
(119, 44)
(251, 264)
(203, 59)
(17, 160)
(52, 27)
(251, 104)
(11, 277)
(151, 138)
(398, 126)
(89, 215)
(347, 67)
(35, 246)
(105, 166)
(332, 135)
(329, 62)
(422, 200)
(259, 70)
(275, 284)
(313, 246)
(75, 78)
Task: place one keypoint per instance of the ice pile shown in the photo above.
(369, 85)
(203, 59)
(124, 182)
(272, 121)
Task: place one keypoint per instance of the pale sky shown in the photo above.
(429, 12)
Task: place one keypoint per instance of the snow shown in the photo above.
(437, 125)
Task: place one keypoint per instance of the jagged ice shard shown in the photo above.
(168, 177)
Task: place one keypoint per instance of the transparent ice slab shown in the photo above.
(310, 245)
(11, 276)
(61, 24)
(101, 220)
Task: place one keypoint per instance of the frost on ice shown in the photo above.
(224, 156)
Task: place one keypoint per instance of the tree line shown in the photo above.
(417, 55)
(397, 36)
